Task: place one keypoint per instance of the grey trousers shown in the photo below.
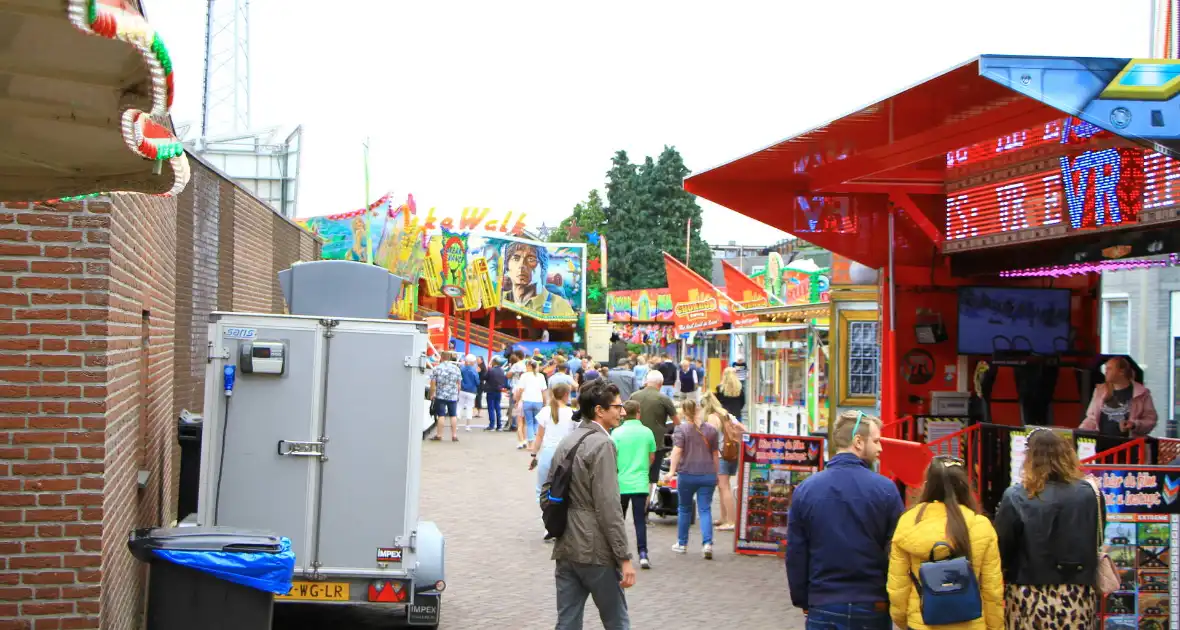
(575, 581)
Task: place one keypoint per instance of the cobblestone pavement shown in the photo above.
(499, 575)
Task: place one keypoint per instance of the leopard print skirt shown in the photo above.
(1051, 607)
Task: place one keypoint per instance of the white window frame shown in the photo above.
(1105, 321)
(1174, 332)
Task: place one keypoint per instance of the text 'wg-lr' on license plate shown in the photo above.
(316, 592)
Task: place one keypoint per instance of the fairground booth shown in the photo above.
(991, 198)
(479, 278)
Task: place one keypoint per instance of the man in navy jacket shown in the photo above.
(838, 532)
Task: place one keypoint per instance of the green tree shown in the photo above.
(590, 217)
(648, 212)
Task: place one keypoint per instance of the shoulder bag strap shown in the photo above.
(1097, 508)
(569, 457)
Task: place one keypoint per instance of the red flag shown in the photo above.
(744, 292)
(694, 299)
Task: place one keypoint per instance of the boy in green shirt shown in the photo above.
(636, 446)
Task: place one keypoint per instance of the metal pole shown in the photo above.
(491, 334)
(1154, 6)
(892, 296)
(688, 243)
(208, 69)
(467, 332)
(368, 215)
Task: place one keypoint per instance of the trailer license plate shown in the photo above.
(316, 592)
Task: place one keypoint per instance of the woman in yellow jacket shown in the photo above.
(947, 513)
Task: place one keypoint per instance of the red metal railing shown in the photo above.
(904, 428)
(1133, 452)
(965, 445)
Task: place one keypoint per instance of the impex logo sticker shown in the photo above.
(389, 554)
(1170, 490)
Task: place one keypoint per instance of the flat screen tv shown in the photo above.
(1004, 318)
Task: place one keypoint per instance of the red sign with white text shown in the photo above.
(694, 300)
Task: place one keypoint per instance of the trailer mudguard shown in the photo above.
(430, 548)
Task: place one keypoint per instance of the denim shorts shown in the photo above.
(446, 408)
(727, 468)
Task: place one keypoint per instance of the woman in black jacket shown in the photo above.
(730, 393)
(1050, 528)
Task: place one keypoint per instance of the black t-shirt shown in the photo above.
(1116, 409)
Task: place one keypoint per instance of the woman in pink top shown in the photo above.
(1120, 406)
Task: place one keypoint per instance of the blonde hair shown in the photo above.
(842, 436)
(730, 385)
(688, 409)
(557, 400)
(712, 406)
(1048, 457)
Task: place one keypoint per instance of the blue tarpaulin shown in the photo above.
(263, 571)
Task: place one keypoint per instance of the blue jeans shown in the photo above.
(849, 617)
(544, 461)
(494, 410)
(700, 486)
(668, 391)
(530, 418)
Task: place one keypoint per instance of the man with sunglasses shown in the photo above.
(839, 528)
(592, 557)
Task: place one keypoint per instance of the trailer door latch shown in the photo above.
(291, 448)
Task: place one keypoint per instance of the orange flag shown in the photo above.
(694, 299)
(744, 292)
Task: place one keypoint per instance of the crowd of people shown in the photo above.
(856, 559)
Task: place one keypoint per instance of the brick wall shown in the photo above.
(229, 249)
(103, 306)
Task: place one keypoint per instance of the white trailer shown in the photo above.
(313, 432)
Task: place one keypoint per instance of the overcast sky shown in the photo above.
(520, 105)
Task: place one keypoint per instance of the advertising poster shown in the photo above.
(639, 305)
(745, 293)
(1018, 443)
(1142, 532)
(695, 303)
(345, 234)
(770, 468)
(545, 281)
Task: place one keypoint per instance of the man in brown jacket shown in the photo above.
(592, 556)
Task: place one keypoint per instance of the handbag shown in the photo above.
(731, 449)
(947, 590)
(1106, 576)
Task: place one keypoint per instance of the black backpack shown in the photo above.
(555, 497)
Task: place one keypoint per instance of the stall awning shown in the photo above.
(85, 90)
(835, 185)
(756, 329)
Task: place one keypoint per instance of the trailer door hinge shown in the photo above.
(421, 362)
(328, 325)
(224, 354)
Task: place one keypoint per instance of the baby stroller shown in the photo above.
(663, 501)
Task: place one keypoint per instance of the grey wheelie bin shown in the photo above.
(212, 578)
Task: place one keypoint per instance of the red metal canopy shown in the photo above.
(833, 185)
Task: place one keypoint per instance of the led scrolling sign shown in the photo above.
(1087, 188)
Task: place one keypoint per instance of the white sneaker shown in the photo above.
(467, 427)
(707, 552)
(679, 548)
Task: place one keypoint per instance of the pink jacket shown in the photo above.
(1143, 416)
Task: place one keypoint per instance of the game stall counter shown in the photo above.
(991, 218)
